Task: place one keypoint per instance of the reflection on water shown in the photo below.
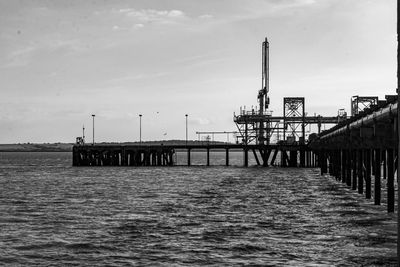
(55, 214)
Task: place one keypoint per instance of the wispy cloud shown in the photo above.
(137, 77)
(153, 15)
(23, 55)
(199, 121)
(206, 16)
(19, 57)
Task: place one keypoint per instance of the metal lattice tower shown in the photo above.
(294, 107)
(359, 103)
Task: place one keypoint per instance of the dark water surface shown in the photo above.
(53, 214)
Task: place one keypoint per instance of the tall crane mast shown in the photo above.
(263, 98)
(263, 93)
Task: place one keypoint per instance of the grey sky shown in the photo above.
(62, 61)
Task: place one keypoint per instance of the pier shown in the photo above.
(359, 150)
(283, 155)
(361, 147)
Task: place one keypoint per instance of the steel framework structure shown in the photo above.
(359, 103)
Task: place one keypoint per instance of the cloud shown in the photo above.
(153, 15)
(199, 121)
(206, 16)
(20, 57)
(138, 26)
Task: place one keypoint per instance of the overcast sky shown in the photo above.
(61, 61)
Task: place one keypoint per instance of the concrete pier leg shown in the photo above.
(360, 171)
(208, 157)
(75, 157)
(354, 180)
(338, 166)
(377, 188)
(227, 156)
(246, 157)
(302, 158)
(373, 165)
(348, 167)
(314, 159)
(322, 162)
(293, 158)
(367, 173)
(343, 165)
(283, 158)
(171, 156)
(147, 162)
(139, 158)
(124, 156)
(307, 161)
(330, 163)
(188, 157)
(390, 180)
(384, 164)
(274, 157)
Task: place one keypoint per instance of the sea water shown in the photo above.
(53, 214)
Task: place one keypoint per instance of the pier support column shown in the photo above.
(293, 158)
(354, 167)
(348, 167)
(322, 162)
(75, 157)
(360, 172)
(390, 180)
(124, 157)
(227, 156)
(172, 153)
(338, 166)
(367, 173)
(302, 157)
(159, 158)
(377, 188)
(154, 158)
(384, 163)
(313, 159)
(208, 157)
(274, 157)
(246, 157)
(188, 157)
(283, 158)
(330, 164)
(343, 164)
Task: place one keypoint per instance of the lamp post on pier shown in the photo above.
(140, 128)
(186, 115)
(93, 126)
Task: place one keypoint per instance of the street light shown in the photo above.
(93, 127)
(140, 128)
(186, 115)
(83, 134)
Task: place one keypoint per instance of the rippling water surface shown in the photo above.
(55, 214)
